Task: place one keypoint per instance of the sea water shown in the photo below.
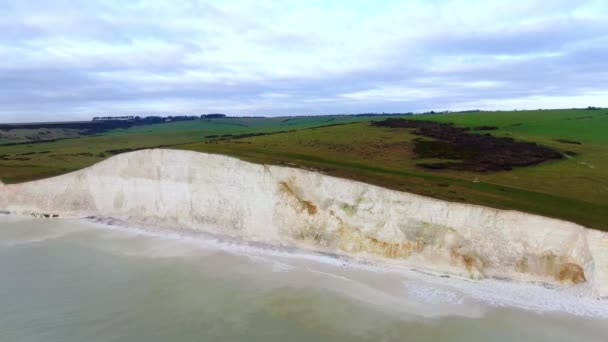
(73, 280)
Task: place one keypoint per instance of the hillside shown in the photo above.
(574, 187)
(200, 193)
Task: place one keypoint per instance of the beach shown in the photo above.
(75, 280)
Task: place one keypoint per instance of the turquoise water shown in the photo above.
(70, 280)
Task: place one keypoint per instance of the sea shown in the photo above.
(80, 280)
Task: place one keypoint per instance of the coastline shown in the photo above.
(281, 206)
(417, 285)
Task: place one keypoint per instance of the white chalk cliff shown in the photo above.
(288, 206)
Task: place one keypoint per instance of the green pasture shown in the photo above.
(574, 188)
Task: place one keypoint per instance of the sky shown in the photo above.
(69, 60)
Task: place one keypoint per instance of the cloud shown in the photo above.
(548, 36)
(75, 59)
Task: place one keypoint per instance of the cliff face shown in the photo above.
(279, 205)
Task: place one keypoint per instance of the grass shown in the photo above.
(73, 154)
(197, 130)
(573, 124)
(574, 188)
(24, 135)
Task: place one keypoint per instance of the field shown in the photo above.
(574, 188)
(30, 161)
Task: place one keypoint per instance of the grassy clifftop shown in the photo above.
(574, 188)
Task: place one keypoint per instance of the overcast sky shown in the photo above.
(75, 59)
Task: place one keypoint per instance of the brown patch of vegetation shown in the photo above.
(548, 264)
(572, 273)
(475, 152)
(286, 188)
(311, 208)
(354, 241)
(467, 260)
(442, 150)
(305, 205)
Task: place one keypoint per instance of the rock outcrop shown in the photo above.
(288, 206)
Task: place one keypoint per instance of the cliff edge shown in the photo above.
(287, 206)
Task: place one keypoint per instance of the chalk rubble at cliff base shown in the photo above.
(294, 207)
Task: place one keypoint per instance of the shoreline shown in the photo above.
(495, 293)
(280, 206)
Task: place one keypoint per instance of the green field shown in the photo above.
(25, 135)
(24, 162)
(574, 188)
